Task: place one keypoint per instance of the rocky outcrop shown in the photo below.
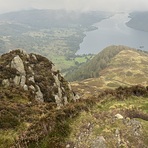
(36, 75)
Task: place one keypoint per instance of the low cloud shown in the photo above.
(79, 5)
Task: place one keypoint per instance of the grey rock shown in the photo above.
(59, 92)
(58, 101)
(23, 80)
(69, 86)
(24, 53)
(119, 116)
(65, 100)
(25, 87)
(34, 57)
(68, 146)
(31, 70)
(32, 87)
(99, 142)
(31, 79)
(17, 63)
(39, 95)
(57, 82)
(5, 83)
(77, 97)
(17, 80)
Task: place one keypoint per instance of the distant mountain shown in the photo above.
(55, 34)
(53, 18)
(139, 21)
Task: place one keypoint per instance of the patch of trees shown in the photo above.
(95, 65)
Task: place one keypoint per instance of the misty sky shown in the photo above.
(82, 5)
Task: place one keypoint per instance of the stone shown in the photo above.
(23, 80)
(119, 116)
(69, 86)
(32, 87)
(100, 142)
(31, 70)
(58, 101)
(57, 82)
(17, 63)
(31, 79)
(5, 83)
(65, 100)
(59, 92)
(25, 87)
(17, 80)
(68, 146)
(39, 95)
(77, 97)
(34, 57)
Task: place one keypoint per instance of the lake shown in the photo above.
(113, 31)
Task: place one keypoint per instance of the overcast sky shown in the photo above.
(83, 5)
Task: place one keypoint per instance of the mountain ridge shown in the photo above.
(128, 67)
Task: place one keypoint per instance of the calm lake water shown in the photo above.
(113, 31)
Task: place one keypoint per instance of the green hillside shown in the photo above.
(128, 67)
(93, 67)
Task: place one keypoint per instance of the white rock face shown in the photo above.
(31, 79)
(34, 56)
(58, 101)
(39, 95)
(57, 83)
(23, 81)
(77, 97)
(32, 87)
(25, 87)
(17, 80)
(69, 86)
(17, 63)
(119, 116)
(56, 80)
(65, 100)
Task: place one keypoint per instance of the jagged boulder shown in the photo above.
(35, 75)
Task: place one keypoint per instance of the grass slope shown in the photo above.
(128, 67)
(77, 124)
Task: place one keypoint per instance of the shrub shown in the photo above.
(8, 120)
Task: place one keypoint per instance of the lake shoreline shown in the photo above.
(113, 31)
